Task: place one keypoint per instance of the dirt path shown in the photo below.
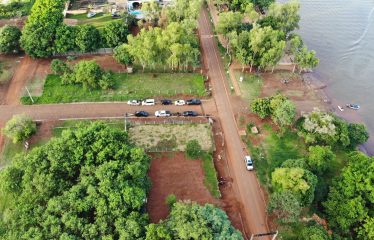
(246, 184)
(23, 73)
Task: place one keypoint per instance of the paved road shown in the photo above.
(247, 185)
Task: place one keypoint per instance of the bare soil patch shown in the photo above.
(172, 173)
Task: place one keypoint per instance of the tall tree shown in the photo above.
(284, 114)
(267, 46)
(229, 21)
(9, 39)
(87, 38)
(351, 197)
(320, 157)
(115, 34)
(151, 11)
(39, 32)
(306, 59)
(285, 205)
(90, 183)
(65, 39)
(287, 15)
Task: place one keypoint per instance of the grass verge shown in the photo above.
(210, 173)
(126, 86)
(251, 85)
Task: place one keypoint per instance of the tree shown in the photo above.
(267, 46)
(193, 149)
(87, 38)
(320, 157)
(262, 4)
(285, 113)
(59, 67)
(151, 11)
(358, 134)
(295, 163)
(314, 232)
(9, 39)
(228, 21)
(306, 59)
(115, 34)
(19, 128)
(88, 73)
(90, 183)
(191, 221)
(299, 181)
(122, 55)
(261, 106)
(350, 200)
(285, 205)
(39, 32)
(65, 39)
(287, 15)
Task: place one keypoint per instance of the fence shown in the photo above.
(100, 51)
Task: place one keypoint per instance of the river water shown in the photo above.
(342, 34)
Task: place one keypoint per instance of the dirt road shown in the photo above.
(247, 185)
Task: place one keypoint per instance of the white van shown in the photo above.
(148, 102)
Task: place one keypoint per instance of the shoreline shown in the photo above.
(316, 84)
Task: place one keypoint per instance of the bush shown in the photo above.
(19, 128)
(59, 67)
(170, 200)
(193, 149)
(9, 39)
(319, 158)
(115, 34)
(87, 38)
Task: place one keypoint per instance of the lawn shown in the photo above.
(251, 85)
(99, 21)
(210, 175)
(127, 86)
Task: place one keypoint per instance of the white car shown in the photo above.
(149, 102)
(162, 113)
(134, 102)
(180, 103)
(91, 14)
(248, 163)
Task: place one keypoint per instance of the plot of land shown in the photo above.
(171, 137)
(127, 86)
(250, 86)
(171, 173)
(99, 20)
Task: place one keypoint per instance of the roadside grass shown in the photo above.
(250, 86)
(126, 86)
(99, 20)
(6, 71)
(210, 175)
(69, 124)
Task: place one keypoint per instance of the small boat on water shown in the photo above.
(353, 106)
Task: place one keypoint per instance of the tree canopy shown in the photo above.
(191, 221)
(19, 128)
(115, 34)
(320, 157)
(90, 183)
(351, 198)
(9, 39)
(285, 205)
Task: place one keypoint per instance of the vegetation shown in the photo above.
(191, 221)
(193, 149)
(281, 109)
(16, 8)
(19, 128)
(126, 87)
(115, 34)
(349, 204)
(9, 39)
(171, 199)
(320, 157)
(88, 183)
(285, 206)
(210, 174)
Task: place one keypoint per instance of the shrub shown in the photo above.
(9, 39)
(19, 128)
(59, 67)
(193, 149)
(319, 158)
(170, 200)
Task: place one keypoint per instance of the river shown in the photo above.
(342, 34)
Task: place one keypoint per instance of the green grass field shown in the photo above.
(251, 85)
(127, 86)
(99, 20)
(210, 174)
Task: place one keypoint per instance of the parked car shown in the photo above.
(134, 102)
(148, 102)
(91, 14)
(162, 113)
(141, 114)
(190, 114)
(180, 103)
(248, 163)
(166, 102)
(193, 101)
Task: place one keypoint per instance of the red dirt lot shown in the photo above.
(172, 173)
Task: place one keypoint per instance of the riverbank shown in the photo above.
(315, 82)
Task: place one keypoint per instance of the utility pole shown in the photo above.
(28, 92)
(126, 115)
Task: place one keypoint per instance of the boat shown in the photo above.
(340, 108)
(353, 106)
